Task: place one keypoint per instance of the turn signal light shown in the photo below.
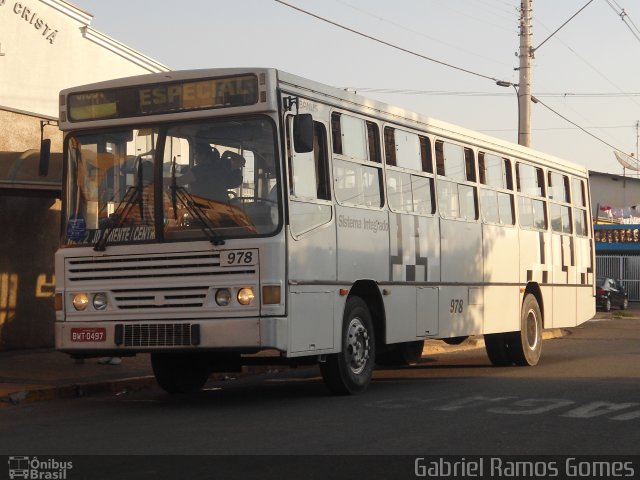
(271, 295)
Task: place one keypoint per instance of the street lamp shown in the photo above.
(503, 83)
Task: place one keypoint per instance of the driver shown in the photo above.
(213, 175)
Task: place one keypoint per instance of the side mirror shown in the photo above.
(303, 133)
(45, 155)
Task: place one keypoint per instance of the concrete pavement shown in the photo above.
(38, 375)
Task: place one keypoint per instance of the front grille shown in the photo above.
(136, 267)
(157, 281)
(176, 297)
(158, 335)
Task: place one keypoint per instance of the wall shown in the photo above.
(613, 190)
(45, 46)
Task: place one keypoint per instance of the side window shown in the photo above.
(355, 138)
(532, 209)
(559, 203)
(579, 207)
(496, 196)
(309, 171)
(358, 179)
(457, 191)
(409, 172)
(357, 184)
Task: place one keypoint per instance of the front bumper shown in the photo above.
(127, 338)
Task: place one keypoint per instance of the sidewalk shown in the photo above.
(38, 375)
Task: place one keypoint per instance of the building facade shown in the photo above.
(45, 46)
(615, 200)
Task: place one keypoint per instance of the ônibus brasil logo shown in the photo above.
(38, 468)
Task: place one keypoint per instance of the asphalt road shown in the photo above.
(583, 398)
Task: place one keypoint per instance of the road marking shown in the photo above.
(596, 409)
(510, 405)
(532, 406)
(471, 402)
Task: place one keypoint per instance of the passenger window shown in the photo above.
(357, 184)
(408, 150)
(355, 138)
(309, 171)
(559, 202)
(579, 207)
(496, 199)
(530, 180)
(457, 164)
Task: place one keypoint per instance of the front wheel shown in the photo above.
(349, 371)
(527, 346)
(625, 304)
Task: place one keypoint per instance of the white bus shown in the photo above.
(347, 232)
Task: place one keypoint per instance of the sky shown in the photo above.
(588, 72)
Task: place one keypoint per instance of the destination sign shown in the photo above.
(163, 98)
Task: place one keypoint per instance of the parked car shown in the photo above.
(609, 293)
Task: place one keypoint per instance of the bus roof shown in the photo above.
(340, 98)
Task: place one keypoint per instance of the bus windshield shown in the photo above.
(213, 179)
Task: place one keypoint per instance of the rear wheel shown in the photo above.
(349, 371)
(527, 345)
(607, 305)
(180, 372)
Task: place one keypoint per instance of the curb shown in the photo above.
(76, 390)
(79, 390)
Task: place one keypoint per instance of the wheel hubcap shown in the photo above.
(531, 329)
(358, 346)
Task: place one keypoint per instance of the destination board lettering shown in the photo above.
(163, 98)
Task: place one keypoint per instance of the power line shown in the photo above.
(494, 94)
(422, 34)
(576, 125)
(388, 44)
(424, 57)
(624, 16)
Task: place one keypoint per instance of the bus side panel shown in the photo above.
(363, 244)
(312, 255)
(535, 267)
(311, 319)
(414, 257)
(501, 302)
(461, 306)
(585, 303)
(460, 311)
(461, 252)
(564, 292)
(400, 308)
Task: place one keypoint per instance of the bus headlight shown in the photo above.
(223, 297)
(100, 301)
(80, 301)
(245, 296)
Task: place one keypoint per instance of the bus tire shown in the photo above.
(497, 347)
(180, 372)
(349, 371)
(527, 347)
(401, 354)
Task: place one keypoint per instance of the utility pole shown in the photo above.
(524, 84)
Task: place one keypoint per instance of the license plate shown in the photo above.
(88, 334)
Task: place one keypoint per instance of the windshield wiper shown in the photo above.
(194, 209)
(132, 195)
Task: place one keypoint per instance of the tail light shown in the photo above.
(600, 291)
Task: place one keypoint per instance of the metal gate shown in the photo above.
(625, 268)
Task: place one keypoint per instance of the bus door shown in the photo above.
(311, 242)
